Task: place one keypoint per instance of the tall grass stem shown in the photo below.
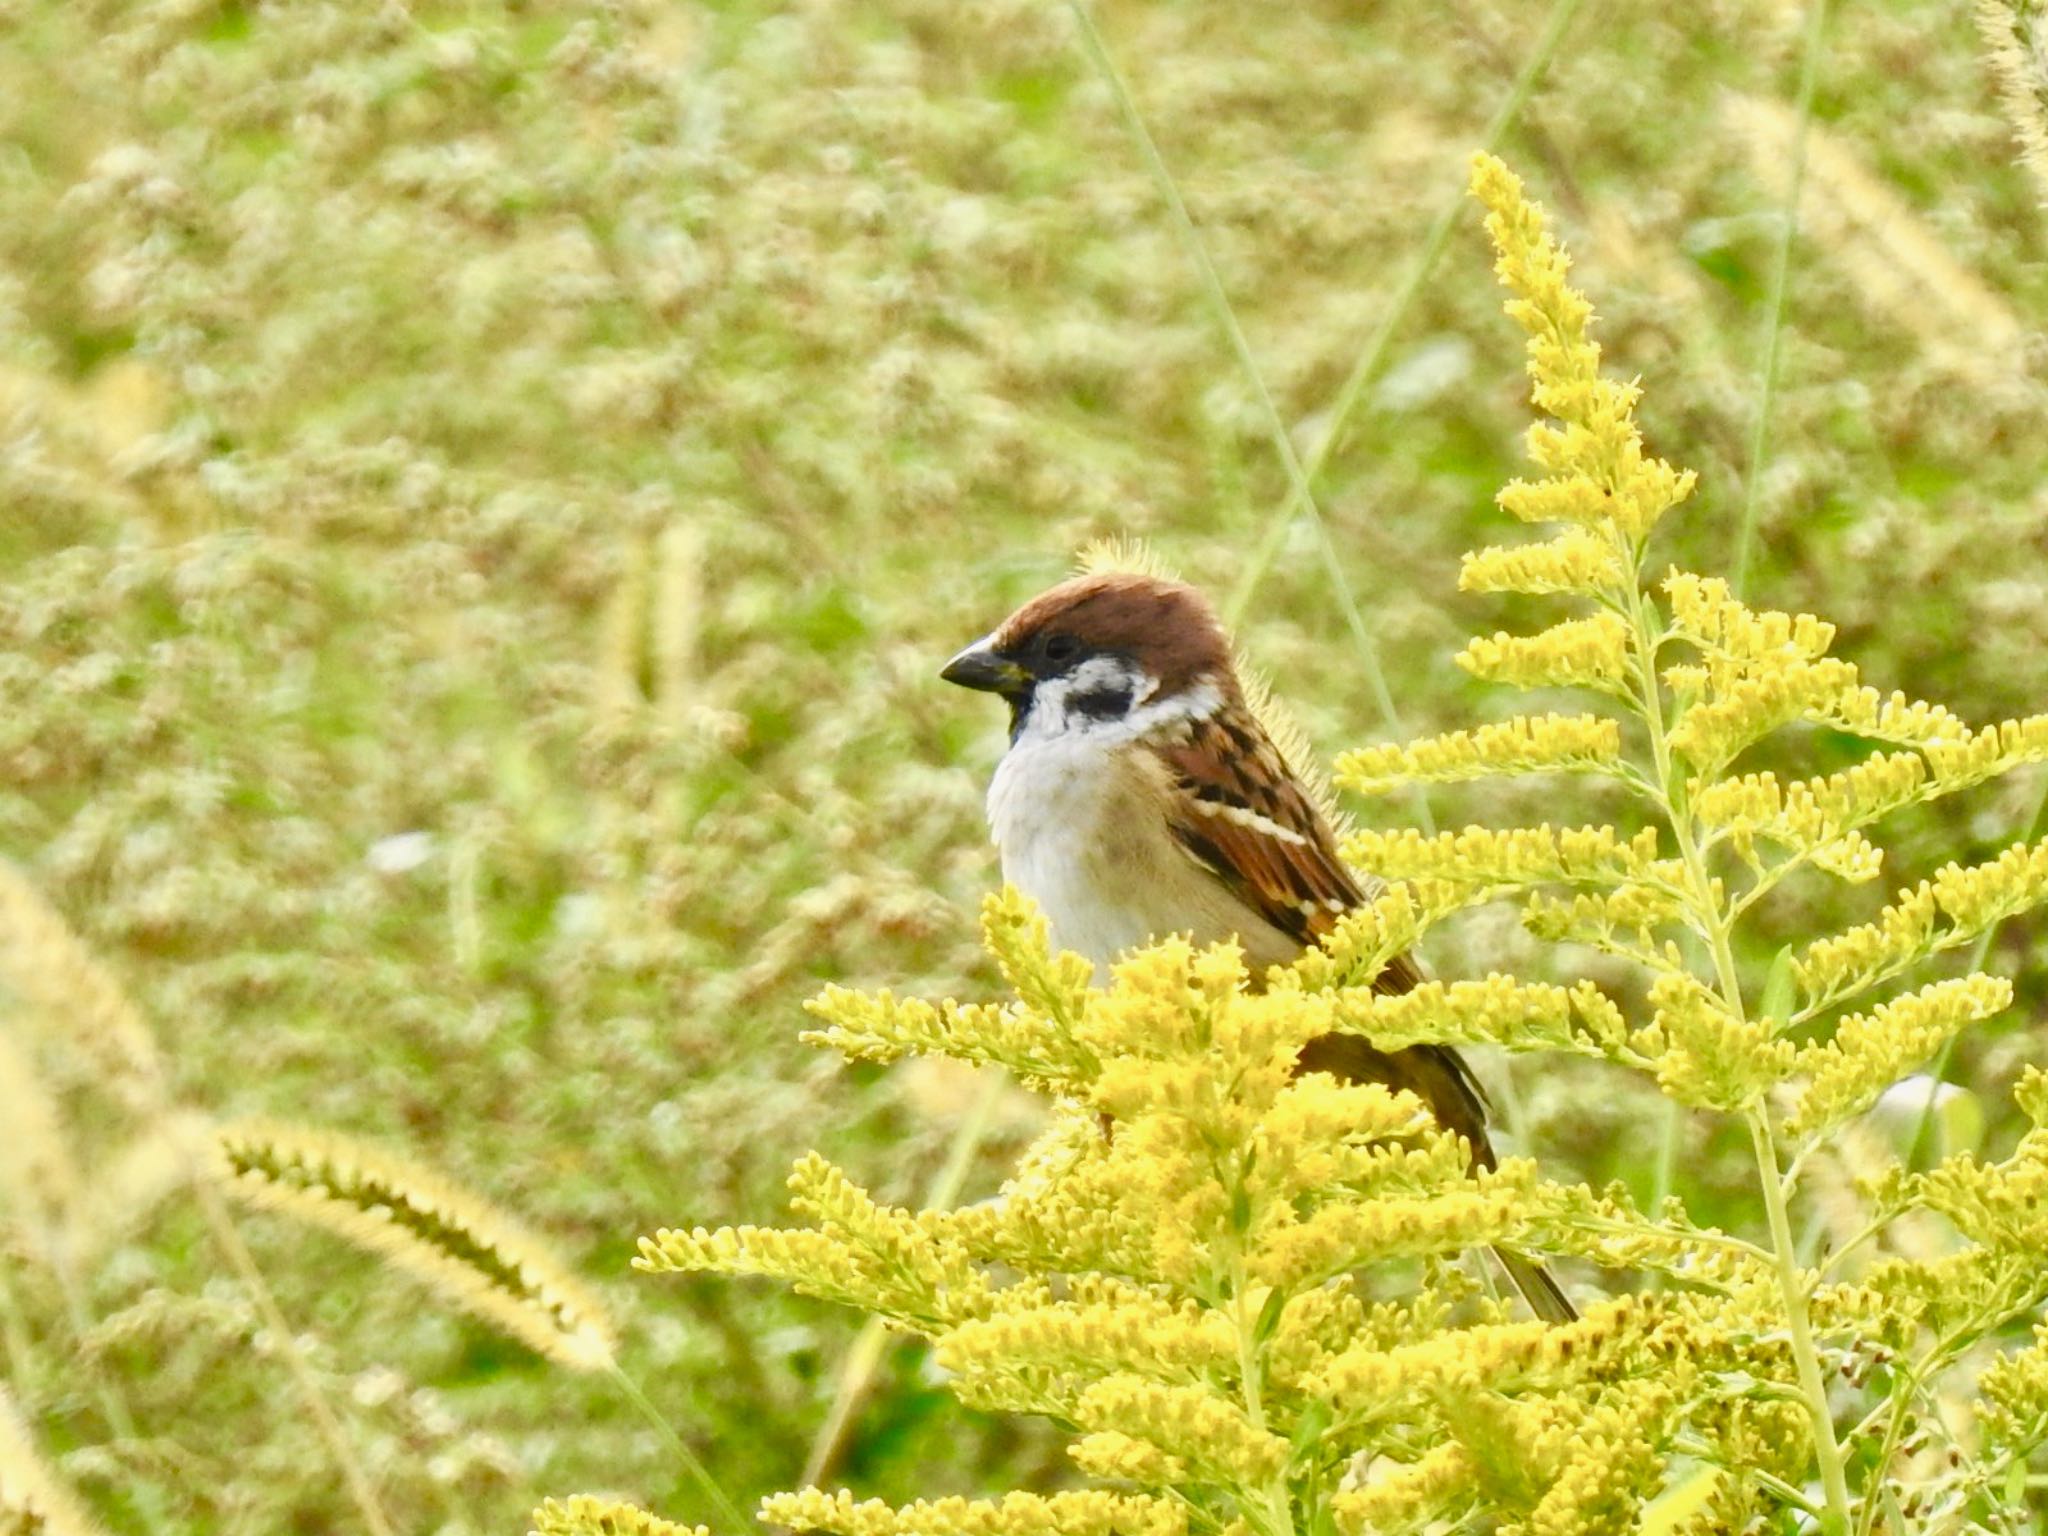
(1774, 312)
(720, 1501)
(222, 1223)
(1301, 492)
(1370, 360)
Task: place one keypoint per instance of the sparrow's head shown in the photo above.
(1096, 649)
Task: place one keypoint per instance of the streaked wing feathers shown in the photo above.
(1239, 812)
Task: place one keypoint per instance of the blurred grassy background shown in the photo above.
(487, 487)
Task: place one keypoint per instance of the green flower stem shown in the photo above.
(1792, 1288)
(1713, 925)
(1279, 1508)
(1774, 1485)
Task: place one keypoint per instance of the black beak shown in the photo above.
(983, 667)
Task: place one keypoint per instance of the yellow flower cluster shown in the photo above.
(1086, 1513)
(911, 1266)
(1970, 898)
(1706, 611)
(1346, 1234)
(1746, 702)
(1037, 1038)
(2013, 1396)
(1169, 1270)
(1525, 744)
(1192, 1424)
(2002, 1205)
(1811, 813)
(1576, 562)
(1518, 856)
(1500, 1010)
(1120, 1325)
(1706, 1053)
(1577, 653)
(1610, 1456)
(1601, 478)
(1114, 1456)
(1410, 1497)
(1362, 941)
(1761, 670)
(583, 1515)
(1623, 921)
(1871, 1051)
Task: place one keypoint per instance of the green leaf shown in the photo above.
(1778, 998)
(1675, 1507)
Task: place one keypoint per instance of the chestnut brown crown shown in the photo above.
(1166, 627)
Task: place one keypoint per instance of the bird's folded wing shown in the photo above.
(1238, 811)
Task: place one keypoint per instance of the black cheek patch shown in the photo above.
(1111, 703)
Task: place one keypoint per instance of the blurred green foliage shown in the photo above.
(487, 487)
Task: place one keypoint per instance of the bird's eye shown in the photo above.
(1061, 647)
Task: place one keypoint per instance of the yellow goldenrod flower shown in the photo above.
(1519, 856)
(1525, 744)
(1939, 914)
(1128, 1326)
(1622, 921)
(1196, 1426)
(1577, 562)
(1406, 1497)
(1613, 1455)
(1705, 611)
(1341, 1236)
(1576, 653)
(1871, 1051)
(1111, 1454)
(1602, 477)
(1497, 1011)
(584, 1515)
(1362, 942)
(1704, 1053)
(2012, 1402)
(1082, 1513)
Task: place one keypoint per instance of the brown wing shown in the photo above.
(1239, 811)
(1242, 814)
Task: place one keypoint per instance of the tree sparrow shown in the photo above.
(1141, 797)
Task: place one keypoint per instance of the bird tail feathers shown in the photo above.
(1545, 1297)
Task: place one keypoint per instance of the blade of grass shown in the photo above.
(361, 1490)
(1370, 360)
(1774, 312)
(1226, 317)
(728, 1512)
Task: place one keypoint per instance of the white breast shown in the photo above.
(1081, 832)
